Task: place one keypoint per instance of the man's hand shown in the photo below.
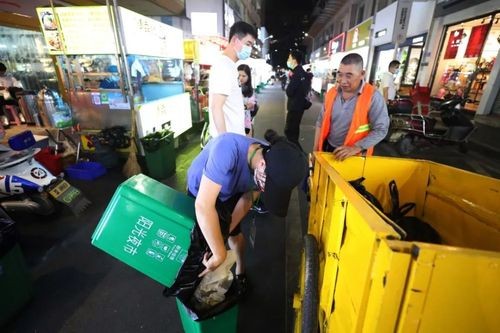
(343, 152)
(211, 262)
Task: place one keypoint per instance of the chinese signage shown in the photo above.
(88, 30)
(358, 36)
(453, 44)
(149, 37)
(402, 19)
(336, 44)
(78, 30)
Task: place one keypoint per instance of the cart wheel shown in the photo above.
(406, 146)
(463, 148)
(311, 296)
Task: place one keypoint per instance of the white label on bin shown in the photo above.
(175, 251)
(182, 256)
(160, 245)
(155, 255)
(163, 234)
(137, 235)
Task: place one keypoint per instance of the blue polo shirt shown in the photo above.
(223, 161)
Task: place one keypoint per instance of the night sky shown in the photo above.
(286, 20)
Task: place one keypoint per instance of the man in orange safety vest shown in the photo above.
(354, 117)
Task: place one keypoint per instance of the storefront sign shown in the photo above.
(453, 44)
(359, 36)
(174, 109)
(336, 44)
(402, 19)
(50, 30)
(83, 30)
(149, 37)
(88, 30)
(477, 37)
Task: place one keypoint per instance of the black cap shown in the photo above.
(286, 167)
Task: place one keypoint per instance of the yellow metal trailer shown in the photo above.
(369, 280)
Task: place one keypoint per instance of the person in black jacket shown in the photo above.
(296, 91)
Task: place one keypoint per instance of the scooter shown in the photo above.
(27, 186)
(446, 125)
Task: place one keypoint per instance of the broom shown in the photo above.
(132, 167)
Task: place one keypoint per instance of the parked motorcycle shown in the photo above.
(447, 124)
(27, 186)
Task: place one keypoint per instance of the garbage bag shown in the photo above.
(187, 279)
(214, 285)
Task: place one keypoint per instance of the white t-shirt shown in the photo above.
(7, 81)
(387, 81)
(224, 80)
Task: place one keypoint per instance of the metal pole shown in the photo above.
(117, 48)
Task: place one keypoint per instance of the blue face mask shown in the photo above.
(244, 53)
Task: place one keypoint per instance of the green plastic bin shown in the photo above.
(147, 225)
(225, 322)
(15, 280)
(159, 154)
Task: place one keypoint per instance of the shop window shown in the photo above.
(25, 55)
(466, 59)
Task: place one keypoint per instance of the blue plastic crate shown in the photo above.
(22, 140)
(85, 170)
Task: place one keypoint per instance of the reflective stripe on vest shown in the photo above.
(360, 125)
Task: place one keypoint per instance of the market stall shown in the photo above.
(106, 57)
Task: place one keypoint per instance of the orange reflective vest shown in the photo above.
(360, 124)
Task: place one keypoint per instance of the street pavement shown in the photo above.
(79, 288)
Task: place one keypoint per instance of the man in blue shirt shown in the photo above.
(228, 176)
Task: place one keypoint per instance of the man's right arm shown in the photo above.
(216, 107)
(208, 220)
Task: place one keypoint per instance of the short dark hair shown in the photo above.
(297, 55)
(394, 63)
(352, 59)
(241, 29)
(2, 67)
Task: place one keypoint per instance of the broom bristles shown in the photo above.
(131, 167)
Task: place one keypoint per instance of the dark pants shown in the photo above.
(292, 126)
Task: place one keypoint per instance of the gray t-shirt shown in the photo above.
(342, 117)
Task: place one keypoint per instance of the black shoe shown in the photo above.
(260, 208)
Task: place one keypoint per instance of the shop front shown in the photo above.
(320, 67)
(400, 33)
(336, 51)
(466, 58)
(358, 40)
(95, 68)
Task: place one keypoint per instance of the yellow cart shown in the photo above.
(366, 279)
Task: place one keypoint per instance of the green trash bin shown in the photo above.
(15, 280)
(159, 154)
(148, 226)
(226, 322)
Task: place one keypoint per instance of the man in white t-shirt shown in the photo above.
(226, 108)
(387, 86)
(7, 81)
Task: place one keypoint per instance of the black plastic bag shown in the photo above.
(416, 229)
(187, 279)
